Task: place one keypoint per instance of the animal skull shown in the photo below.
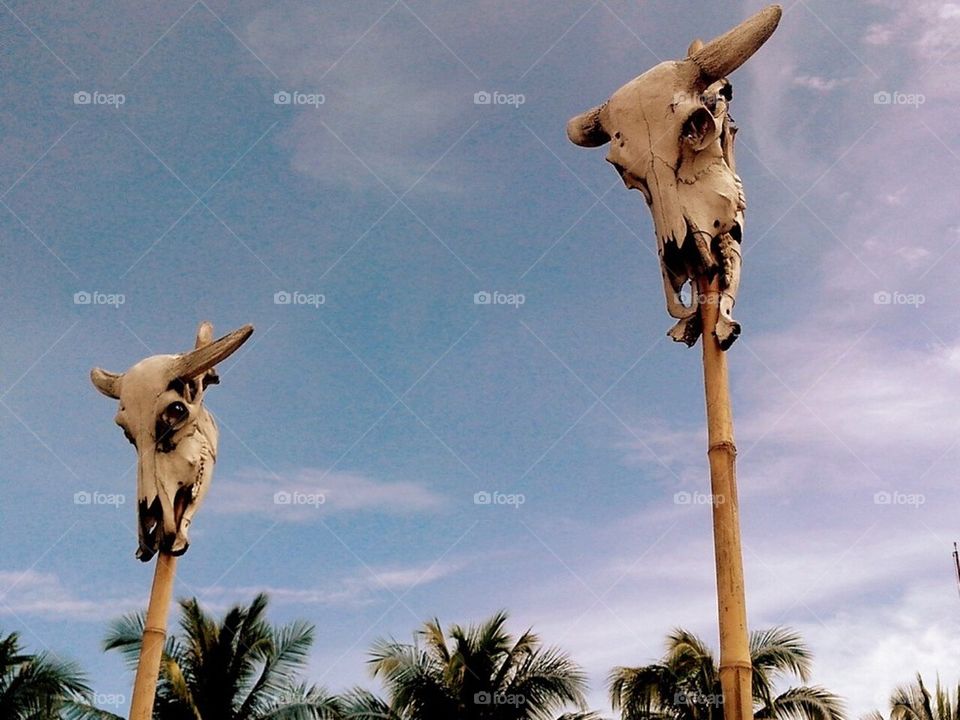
(162, 414)
(671, 138)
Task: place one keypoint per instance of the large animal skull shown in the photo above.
(671, 138)
(162, 414)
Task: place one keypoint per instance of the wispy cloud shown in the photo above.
(365, 587)
(31, 593)
(928, 27)
(300, 496)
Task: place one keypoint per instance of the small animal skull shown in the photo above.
(671, 138)
(162, 414)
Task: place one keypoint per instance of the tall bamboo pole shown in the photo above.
(154, 637)
(735, 669)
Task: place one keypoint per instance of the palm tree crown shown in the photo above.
(480, 673)
(36, 687)
(685, 684)
(240, 668)
(915, 702)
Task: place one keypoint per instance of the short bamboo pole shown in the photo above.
(154, 638)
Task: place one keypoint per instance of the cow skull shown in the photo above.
(162, 414)
(671, 138)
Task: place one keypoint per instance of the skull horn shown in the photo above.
(198, 361)
(586, 129)
(721, 56)
(107, 383)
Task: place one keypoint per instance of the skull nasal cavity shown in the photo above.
(185, 388)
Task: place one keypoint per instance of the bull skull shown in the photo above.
(671, 138)
(162, 415)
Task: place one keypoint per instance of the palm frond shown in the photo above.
(778, 651)
(38, 685)
(548, 680)
(434, 640)
(641, 692)
(76, 710)
(303, 703)
(806, 703)
(361, 704)
(283, 658)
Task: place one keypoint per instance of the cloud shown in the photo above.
(40, 594)
(300, 496)
(391, 91)
(874, 609)
(363, 588)
(875, 649)
(817, 407)
(928, 27)
(34, 594)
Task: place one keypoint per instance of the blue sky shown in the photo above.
(398, 198)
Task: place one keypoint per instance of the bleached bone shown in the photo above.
(671, 137)
(162, 414)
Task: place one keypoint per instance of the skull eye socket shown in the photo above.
(175, 413)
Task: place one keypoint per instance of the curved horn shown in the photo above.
(586, 129)
(198, 361)
(721, 56)
(107, 383)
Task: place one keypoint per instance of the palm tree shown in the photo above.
(685, 684)
(240, 668)
(914, 702)
(480, 673)
(37, 687)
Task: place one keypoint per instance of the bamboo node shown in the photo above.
(723, 445)
(735, 665)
